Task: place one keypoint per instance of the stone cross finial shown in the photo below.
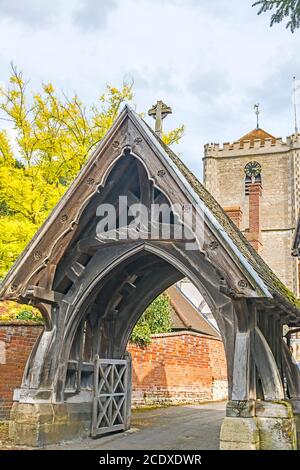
(159, 111)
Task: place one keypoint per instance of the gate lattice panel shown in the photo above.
(112, 395)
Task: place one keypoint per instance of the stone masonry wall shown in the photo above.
(224, 177)
(175, 367)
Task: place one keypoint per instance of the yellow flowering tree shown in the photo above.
(52, 136)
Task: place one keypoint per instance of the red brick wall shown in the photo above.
(175, 367)
(254, 233)
(178, 367)
(16, 342)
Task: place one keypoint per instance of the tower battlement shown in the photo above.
(252, 145)
(227, 178)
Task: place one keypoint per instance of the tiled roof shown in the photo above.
(187, 317)
(257, 133)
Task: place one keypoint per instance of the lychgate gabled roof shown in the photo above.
(58, 227)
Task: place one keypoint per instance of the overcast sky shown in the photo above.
(210, 60)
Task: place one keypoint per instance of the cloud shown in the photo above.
(85, 14)
(30, 12)
(209, 61)
(209, 86)
(93, 14)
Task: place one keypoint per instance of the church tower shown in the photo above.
(257, 181)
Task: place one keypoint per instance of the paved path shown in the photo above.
(191, 427)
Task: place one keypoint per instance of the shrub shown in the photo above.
(12, 311)
(155, 319)
(28, 315)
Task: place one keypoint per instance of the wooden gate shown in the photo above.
(112, 395)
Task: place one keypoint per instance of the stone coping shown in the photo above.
(184, 333)
(21, 323)
(156, 335)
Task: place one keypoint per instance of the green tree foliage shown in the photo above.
(11, 312)
(52, 136)
(155, 319)
(282, 9)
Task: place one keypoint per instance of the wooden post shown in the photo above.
(241, 364)
(252, 324)
(95, 398)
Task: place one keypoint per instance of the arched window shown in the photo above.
(252, 174)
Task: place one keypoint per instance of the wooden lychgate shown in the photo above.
(92, 281)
